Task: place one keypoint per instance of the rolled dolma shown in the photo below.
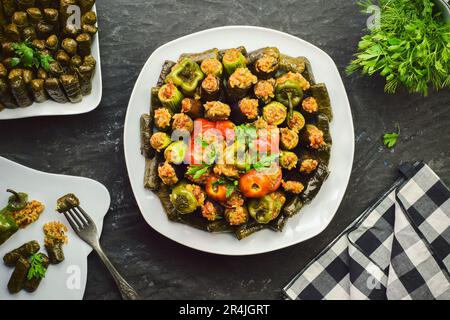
(25, 251)
(44, 29)
(31, 284)
(7, 49)
(25, 4)
(151, 178)
(55, 252)
(279, 223)
(86, 5)
(291, 64)
(55, 69)
(146, 124)
(84, 44)
(19, 276)
(70, 46)
(6, 97)
(85, 74)
(19, 89)
(89, 18)
(38, 90)
(29, 33)
(39, 44)
(248, 229)
(89, 28)
(308, 73)
(220, 226)
(89, 60)
(154, 100)
(9, 7)
(75, 62)
(35, 15)
(52, 42)
(199, 57)
(51, 15)
(320, 93)
(12, 32)
(293, 206)
(62, 57)
(72, 87)
(20, 19)
(55, 90)
(28, 76)
(314, 185)
(41, 74)
(166, 69)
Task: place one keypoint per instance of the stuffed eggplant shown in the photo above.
(259, 146)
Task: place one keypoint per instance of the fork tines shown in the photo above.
(78, 218)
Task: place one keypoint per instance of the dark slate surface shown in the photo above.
(91, 145)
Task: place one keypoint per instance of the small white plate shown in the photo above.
(315, 217)
(66, 281)
(52, 108)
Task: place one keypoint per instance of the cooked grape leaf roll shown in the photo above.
(86, 5)
(32, 284)
(25, 251)
(55, 90)
(85, 73)
(84, 44)
(6, 97)
(38, 90)
(19, 89)
(72, 87)
(19, 276)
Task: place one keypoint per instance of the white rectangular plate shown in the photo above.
(52, 108)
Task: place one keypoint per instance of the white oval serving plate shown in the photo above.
(315, 217)
(66, 281)
(52, 108)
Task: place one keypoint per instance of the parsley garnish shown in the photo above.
(37, 269)
(390, 139)
(265, 161)
(197, 171)
(28, 56)
(231, 185)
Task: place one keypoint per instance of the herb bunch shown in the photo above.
(411, 47)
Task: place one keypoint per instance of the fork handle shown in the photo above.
(126, 290)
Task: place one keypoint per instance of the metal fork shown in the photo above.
(86, 229)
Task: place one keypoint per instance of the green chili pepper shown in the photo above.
(17, 201)
(268, 208)
(289, 89)
(232, 60)
(183, 199)
(187, 76)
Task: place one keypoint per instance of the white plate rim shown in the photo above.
(40, 109)
(236, 28)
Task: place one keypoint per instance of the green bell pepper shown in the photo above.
(187, 76)
(8, 225)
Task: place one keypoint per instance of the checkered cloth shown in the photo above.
(398, 249)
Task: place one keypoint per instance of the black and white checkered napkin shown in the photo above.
(398, 249)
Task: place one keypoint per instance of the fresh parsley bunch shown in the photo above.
(411, 47)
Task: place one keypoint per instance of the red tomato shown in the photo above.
(203, 125)
(215, 191)
(255, 184)
(226, 127)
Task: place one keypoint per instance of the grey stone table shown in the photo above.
(90, 145)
